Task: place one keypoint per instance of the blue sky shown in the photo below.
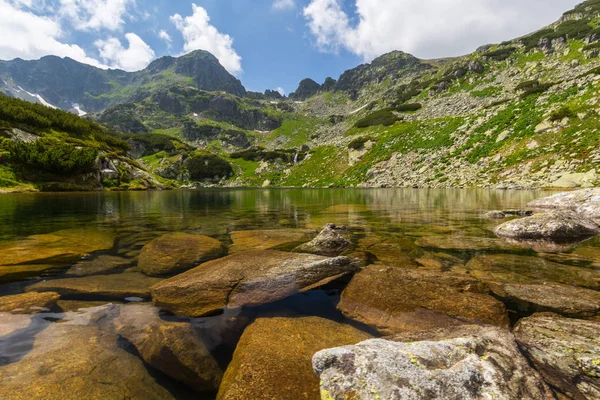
(268, 44)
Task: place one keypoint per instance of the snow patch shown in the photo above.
(358, 109)
(78, 110)
(37, 96)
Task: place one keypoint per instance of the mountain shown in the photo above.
(68, 84)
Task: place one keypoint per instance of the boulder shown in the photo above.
(585, 202)
(397, 299)
(468, 362)
(273, 358)
(28, 303)
(553, 225)
(565, 300)
(116, 287)
(331, 241)
(101, 265)
(464, 243)
(268, 239)
(78, 358)
(565, 351)
(176, 252)
(172, 347)
(514, 269)
(249, 278)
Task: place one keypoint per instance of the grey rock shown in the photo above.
(585, 201)
(469, 362)
(331, 241)
(554, 225)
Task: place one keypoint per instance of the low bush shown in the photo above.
(51, 155)
(202, 166)
(526, 85)
(561, 113)
(500, 54)
(541, 88)
(382, 117)
(408, 107)
(359, 142)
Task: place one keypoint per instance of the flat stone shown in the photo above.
(268, 239)
(331, 241)
(116, 287)
(514, 269)
(248, 278)
(464, 243)
(553, 225)
(78, 358)
(565, 351)
(28, 303)
(76, 305)
(586, 202)
(273, 358)
(397, 299)
(176, 252)
(459, 363)
(98, 266)
(566, 300)
(170, 346)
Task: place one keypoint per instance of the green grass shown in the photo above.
(296, 130)
(490, 91)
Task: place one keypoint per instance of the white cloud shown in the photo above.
(133, 58)
(95, 14)
(284, 5)
(199, 34)
(29, 36)
(162, 34)
(281, 91)
(426, 28)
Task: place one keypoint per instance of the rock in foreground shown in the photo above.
(457, 364)
(28, 303)
(268, 239)
(396, 299)
(273, 357)
(331, 242)
(246, 279)
(565, 351)
(175, 252)
(553, 225)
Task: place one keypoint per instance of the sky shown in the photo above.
(267, 44)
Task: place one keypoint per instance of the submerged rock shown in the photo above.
(28, 303)
(78, 358)
(459, 363)
(565, 300)
(116, 287)
(554, 225)
(268, 239)
(464, 243)
(170, 346)
(397, 299)
(246, 279)
(176, 252)
(98, 266)
(514, 269)
(507, 213)
(331, 241)
(273, 358)
(565, 351)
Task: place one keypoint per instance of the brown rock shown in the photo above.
(268, 239)
(98, 266)
(273, 358)
(396, 299)
(331, 241)
(76, 305)
(176, 252)
(465, 243)
(565, 351)
(246, 279)
(116, 287)
(28, 303)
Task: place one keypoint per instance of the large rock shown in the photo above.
(28, 303)
(514, 269)
(175, 252)
(273, 357)
(331, 241)
(397, 299)
(101, 265)
(462, 363)
(172, 347)
(565, 300)
(464, 243)
(565, 351)
(268, 239)
(246, 279)
(586, 202)
(38, 253)
(78, 358)
(553, 225)
(116, 287)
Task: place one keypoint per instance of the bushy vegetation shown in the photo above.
(382, 117)
(204, 165)
(51, 155)
(560, 114)
(154, 143)
(500, 54)
(532, 87)
(490, 91)
(359, 142)
(408, 107)
(571, 29)
(261, 154)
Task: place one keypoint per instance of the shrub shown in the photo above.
(382, 117)
(591, 46)
(500, 54)
(203, 166)
(526, 85)
(359, 142)
(541, 88)
(560, 114)
(409, 107)
(51, 155)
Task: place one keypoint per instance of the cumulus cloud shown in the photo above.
(95, 14)
(284, 4)
(199, 34)
(132, 58)
(426, 28)
(29, 36)
(162, 34)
